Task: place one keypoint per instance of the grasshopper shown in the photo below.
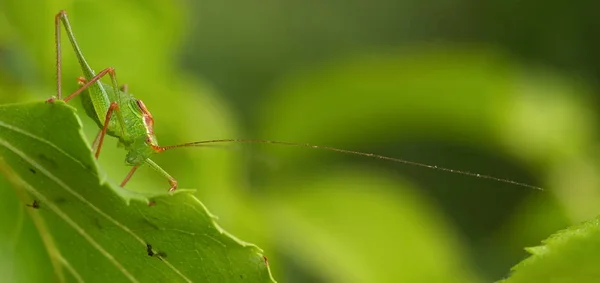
(119, 114)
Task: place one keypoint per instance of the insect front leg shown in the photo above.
(96, 140)
(97, 144)
(133, 169)
(113, 107)
(172, 181)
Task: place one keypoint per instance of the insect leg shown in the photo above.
(110, 71)
(58, 56)
(95, 143)
(113, 106)
(82, 81)
(172, 181)
(87, 70)
(129, 175)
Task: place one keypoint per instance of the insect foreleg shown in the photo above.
(172, 181)
(113, 106)
(129, 175)
(95, 143)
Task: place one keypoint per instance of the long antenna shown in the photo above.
(467, 173)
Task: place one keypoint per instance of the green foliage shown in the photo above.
(96, 232)
(567, 256)
(21, 247)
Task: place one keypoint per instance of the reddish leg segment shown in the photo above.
(113, 106)
(129, 175)
(110, 71)
(172, 181)
(95, 143)
(62, 15)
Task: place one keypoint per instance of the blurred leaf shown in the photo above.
(21, 247)
(535, 218)
(421, 92)
(366, 227)
(88, 227)
(456, 94)
(572, 255)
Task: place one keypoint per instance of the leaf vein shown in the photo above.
(61, 214)
(70, 190)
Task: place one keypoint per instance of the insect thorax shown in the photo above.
(138, 152)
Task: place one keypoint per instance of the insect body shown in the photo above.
(119, 114)
(115, 110)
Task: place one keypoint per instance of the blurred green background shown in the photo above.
(504, 88)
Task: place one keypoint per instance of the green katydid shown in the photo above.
(121, 115)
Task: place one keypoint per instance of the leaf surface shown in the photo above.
(571, 255)
(98, 232)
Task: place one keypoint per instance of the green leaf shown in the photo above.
(366, 226)
(571, 255)
(21, 246)
(97, 232)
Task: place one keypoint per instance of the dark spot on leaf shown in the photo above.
(97, 223)
(35, 204)
(151, 203)
(87, 167)
(32, 171)
(147, 222)
(159, 255)
(266, 260)
(47, 160)
(149, 250)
